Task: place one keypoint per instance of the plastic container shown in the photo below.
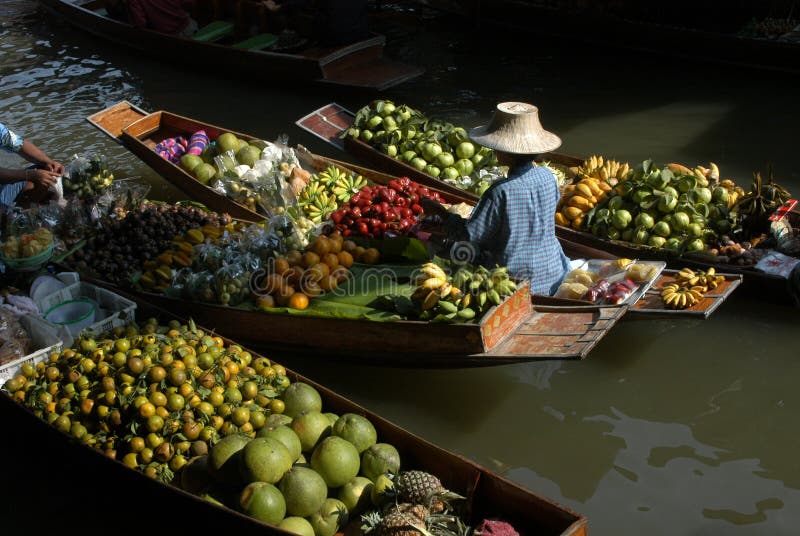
(75, 315)
(112, 310)
(46, 338)
(29, 264)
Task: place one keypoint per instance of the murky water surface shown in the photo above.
(669, 426)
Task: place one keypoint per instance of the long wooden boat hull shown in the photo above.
(70, 478)
(359, 65)
(545, 333)
(140, 131)
(765, 286)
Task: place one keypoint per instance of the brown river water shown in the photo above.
(669, 426)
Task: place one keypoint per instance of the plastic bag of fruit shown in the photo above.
(231, 284)
(86, 176)
(207, 257)
(199, 286)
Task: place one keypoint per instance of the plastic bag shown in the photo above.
(231, 284)
(208, 257)
(86, 176)
(199, 286)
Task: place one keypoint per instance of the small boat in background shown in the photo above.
(225, 40)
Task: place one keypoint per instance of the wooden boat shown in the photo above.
(359, 65)
(71, 477)
(140, 131)
(656, 29)
(331, 120)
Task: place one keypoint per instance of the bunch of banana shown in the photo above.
(594, 179)
(734, 192)
(346, 185)
(319, 209)
(702, 280)
(310, 192)
(677, 297)
(434, 288)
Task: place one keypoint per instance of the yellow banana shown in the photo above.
(433, 283)
(430, 300)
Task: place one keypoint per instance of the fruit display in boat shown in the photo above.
(86, 177)
(595, 179)
(119, 248)
(689, 287)
(298, 277)
(464, 297)
(376, 211)
(27, 244)
(326, 190)
(153, 396)
(433, 146)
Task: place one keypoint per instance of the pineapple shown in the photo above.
(404, 520)
(419, 487)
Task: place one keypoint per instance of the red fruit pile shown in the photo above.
(382, 210)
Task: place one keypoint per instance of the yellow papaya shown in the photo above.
(583, 189)
(579, 202)
(561, 219)
(571, 212)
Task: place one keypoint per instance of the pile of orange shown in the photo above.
(300, 276)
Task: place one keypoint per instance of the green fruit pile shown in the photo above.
(673, 207)
(153, 396)
(438, 148)
(305, 469)
(87, 178)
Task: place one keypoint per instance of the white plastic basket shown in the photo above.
(46, 338)
(112, 309)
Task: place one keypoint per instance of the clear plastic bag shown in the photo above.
(86, 176)
(208, 257)
(231, 284)
(199, 286)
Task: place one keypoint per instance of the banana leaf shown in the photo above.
(398, 248)
(323, 308)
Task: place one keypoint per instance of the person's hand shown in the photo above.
(271, 5)
(56, 167)
(432, 208)
(42, 177)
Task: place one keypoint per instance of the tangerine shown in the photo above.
(345, 259)
(310, 258)
(281, 266)
(331, 259)
(371, 256)
(321, 246)
(298, 300)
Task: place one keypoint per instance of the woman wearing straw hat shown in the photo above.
(513, 223)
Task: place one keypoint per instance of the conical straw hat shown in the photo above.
(515, 128)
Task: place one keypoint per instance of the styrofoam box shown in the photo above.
(45, 337)
(112, 309)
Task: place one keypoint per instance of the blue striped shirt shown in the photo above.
(513, 225)
(9, 141)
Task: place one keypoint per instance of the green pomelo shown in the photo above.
(190, 161)
(248, 155)
(204, 173)
(378, 459)
(277, 419)
(332, 417)
(264, 502)
(227, 142)
(330, 518)
(337, 460)
(357, 494)
(285, 435)
(297, 525)
(304, 491)
(300, 397)
(382, 490)
(357, 430)
(194, 475)
(242, 144)
(311, 427)
(264, 459)
(223, 458)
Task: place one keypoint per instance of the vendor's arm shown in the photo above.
(484, 222)
(41, 177)
(33, 154)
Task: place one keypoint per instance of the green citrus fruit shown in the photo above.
(378, 459)
(330, 518)
(300, 397)
(310, 427)
(264, 502)
(357, 430)
(285, 435)
(356, 494)
(297, 525)
(264, 459)
(337, 460)
(304, 491)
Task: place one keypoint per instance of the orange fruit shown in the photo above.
(371, 256)
(284, 295)
(316, 272)
(329, 282)
(310, 259)
(294, 257)
(321, 246)
(265, 301)
(281, 266)
(272, 283)
(341, 274)
(298, 300)
(294, 274)
(336, 242)
(358, 252)
(349, 246)
(312, 288)
(331, 259)
(345, 259)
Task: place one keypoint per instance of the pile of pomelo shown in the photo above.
(306, 471)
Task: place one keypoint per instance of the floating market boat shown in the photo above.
(330, 121)
(141, 131)
(690, 30)
(72, 466)
(224, 41)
